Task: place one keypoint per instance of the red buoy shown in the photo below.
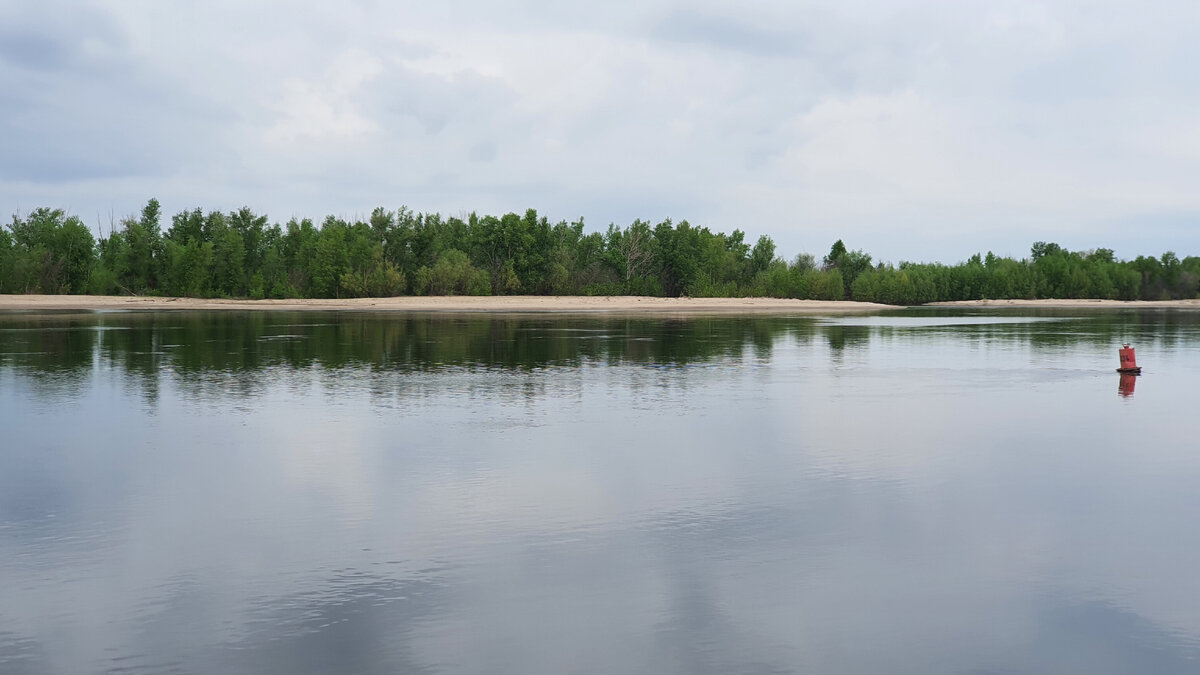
(1128, 361)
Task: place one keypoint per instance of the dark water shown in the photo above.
(912, 492)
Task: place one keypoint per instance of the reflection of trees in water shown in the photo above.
(1072, 328)
(841, 337)
(55, 351)
(237, 353)
(216, 356)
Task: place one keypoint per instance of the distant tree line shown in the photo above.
(240, 254)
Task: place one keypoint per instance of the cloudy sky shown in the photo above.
(913, 130)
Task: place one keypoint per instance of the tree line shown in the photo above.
(241, 255)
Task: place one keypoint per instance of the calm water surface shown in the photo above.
(910, 492)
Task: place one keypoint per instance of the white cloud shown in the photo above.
(325, 108)
(912, 129)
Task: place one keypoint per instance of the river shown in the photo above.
(914, 491)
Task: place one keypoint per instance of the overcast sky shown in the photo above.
(912, 130)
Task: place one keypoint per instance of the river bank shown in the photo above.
(508, 303)
(1053, 303)
(555, 304)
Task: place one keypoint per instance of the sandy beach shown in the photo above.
(535, 304)
(507, 304)
(1075, 304)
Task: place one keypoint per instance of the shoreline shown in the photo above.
(1052, 303)
(515, 304)
(566, 304)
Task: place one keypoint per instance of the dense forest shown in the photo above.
(240, 254)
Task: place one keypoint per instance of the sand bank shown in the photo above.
(557, 304)
(1075, 304)
(512, 304)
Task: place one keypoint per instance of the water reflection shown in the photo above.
(324, 492)
(219, 355)
(1126, 384)
(1098, 636)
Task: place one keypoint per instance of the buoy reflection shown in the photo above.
(1126, 385)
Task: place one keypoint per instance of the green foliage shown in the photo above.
(187, 226)
(835, 254)
(775, 281)
(378, 279)
(6, 261)
(850, 264)
(48, 252)
(228, 264)
(678, 251)
(329, 259)
(188, 268)
(241, 254)
(762, 255)
(453, 274)
(829, 286)
(558, 279)
(507, 282)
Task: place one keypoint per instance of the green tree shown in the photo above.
(6, 261)
(836, 253)
(678, 250)
(142, 252)
(228, 264)
(329, 260)
(187, 226)
(49, 252)
(379, 278)
(762, 255)
(188, 268)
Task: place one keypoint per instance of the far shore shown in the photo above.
(539, 304)
(561, 304)
(1052, 303)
